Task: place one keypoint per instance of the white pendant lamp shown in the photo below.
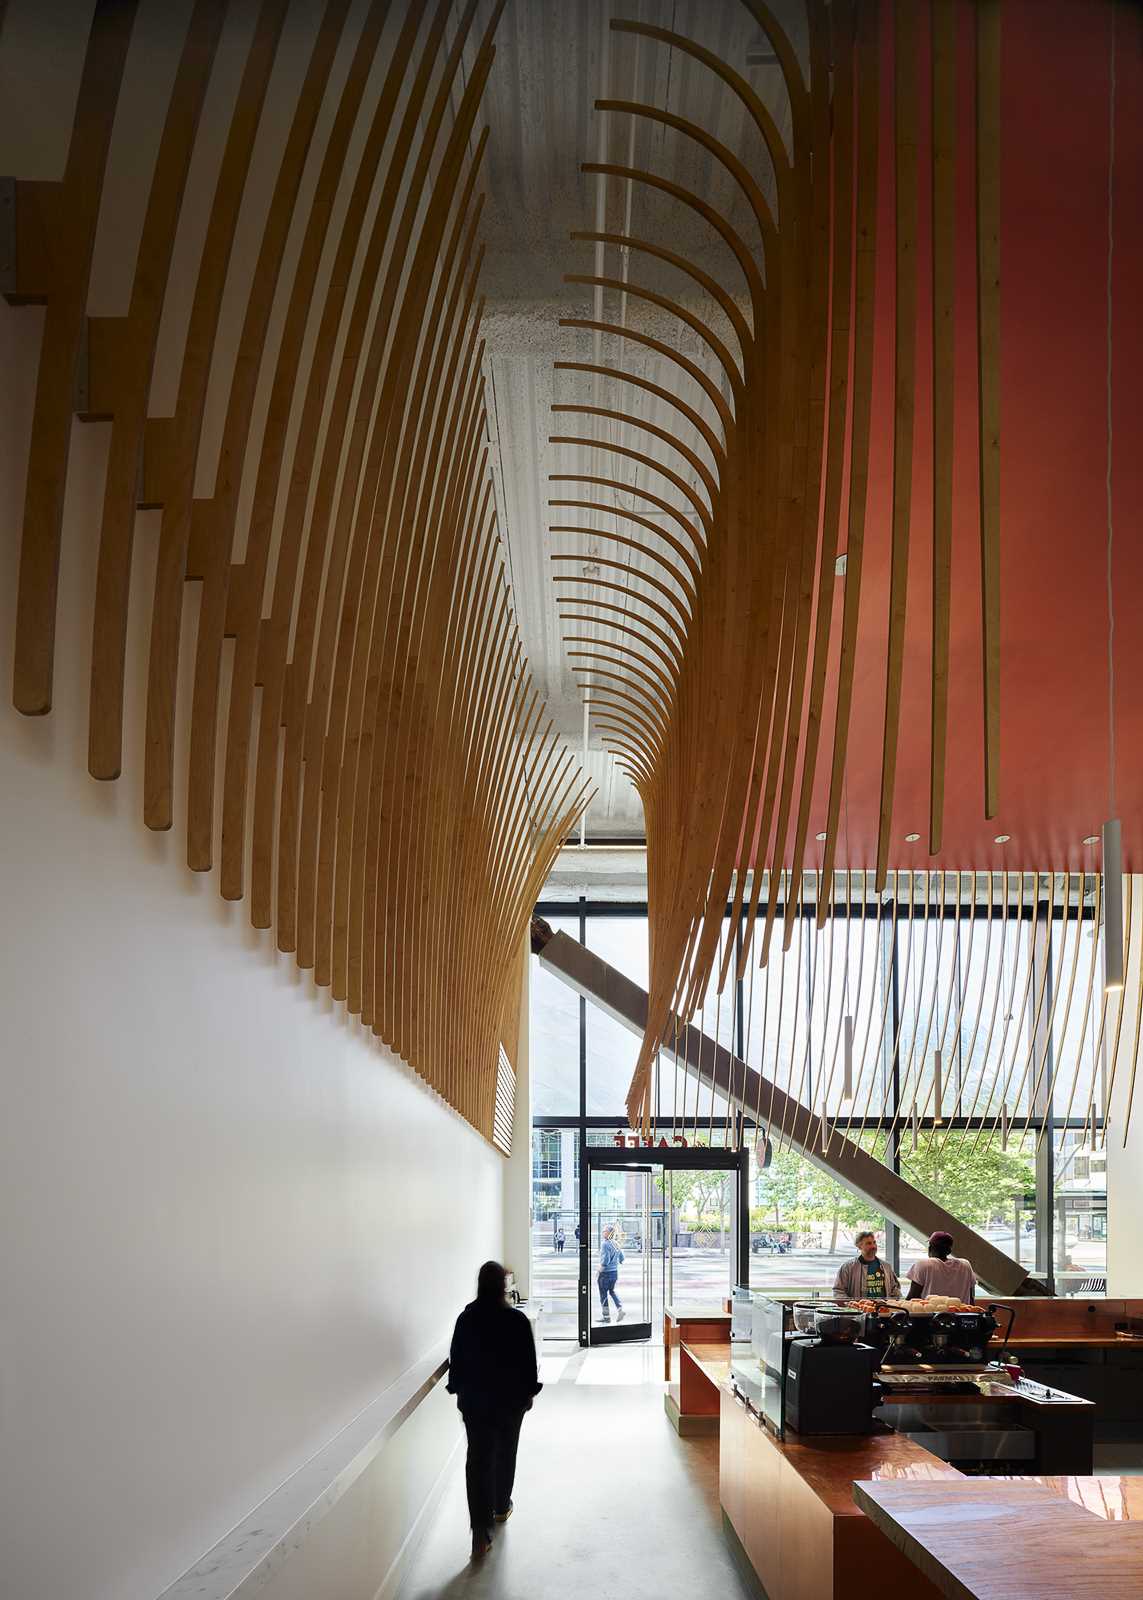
(1112, 906)
(937, 1114)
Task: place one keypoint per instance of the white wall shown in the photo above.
(1125, 1161)
(228, 1218)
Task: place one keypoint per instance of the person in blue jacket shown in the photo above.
(610, 1258)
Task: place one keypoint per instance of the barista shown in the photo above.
(942, 1272)
(868, 1277)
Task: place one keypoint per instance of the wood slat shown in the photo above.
(409, 790)
(73, 217)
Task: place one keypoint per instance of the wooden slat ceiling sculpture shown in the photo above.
(714, 532)
(368, 759)
(954, 997)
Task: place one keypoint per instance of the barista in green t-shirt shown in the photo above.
(868, 1277)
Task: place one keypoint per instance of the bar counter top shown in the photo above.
(1042, 1538)
(830, 1463)
(790, 1506)
(1066, 1340)
(712, 1359)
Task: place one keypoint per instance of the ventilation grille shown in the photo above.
(505, 1104)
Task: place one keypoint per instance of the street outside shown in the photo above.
(700, 1276)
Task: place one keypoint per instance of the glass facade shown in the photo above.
(999, 1137)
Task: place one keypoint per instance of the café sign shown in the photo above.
(635, 1141)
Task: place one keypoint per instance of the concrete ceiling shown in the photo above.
(553, 61)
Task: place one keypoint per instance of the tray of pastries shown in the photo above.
(926, 1306)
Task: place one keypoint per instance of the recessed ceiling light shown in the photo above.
(819, 837)
(1002, 838)
(1092, 838)
(911, 838)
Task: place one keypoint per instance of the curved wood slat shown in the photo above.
(251, 633)
(725, 302)
(219, 515)
(419, 770)
(292, 605)
(185, 431)
(127, 384)
(944, 386)
(988, 347)
(713, 443)
(667, 648)
(74, 214)
(683, 580)
(904, 403)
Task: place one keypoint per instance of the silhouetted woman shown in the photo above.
(492, 1372)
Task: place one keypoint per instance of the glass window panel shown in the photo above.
(1077, 967)
(990, 1188)
(774, 1001)
(612, 1049)
(555, 1228)
(999, 1008)
(802, 1223)
(856, 990)
(1080, 1221)
(554, 1035)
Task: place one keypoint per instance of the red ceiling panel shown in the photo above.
(1054, 684)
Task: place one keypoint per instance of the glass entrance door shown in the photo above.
(701, 1236)
(621, 1260)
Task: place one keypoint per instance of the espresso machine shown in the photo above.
(931, 1350)
(829, 1376)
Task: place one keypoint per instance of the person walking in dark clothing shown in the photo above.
(493, 1374)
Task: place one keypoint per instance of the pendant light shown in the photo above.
(1112, 906)
(937, 1116)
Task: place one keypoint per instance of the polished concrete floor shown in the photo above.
(610, 1502)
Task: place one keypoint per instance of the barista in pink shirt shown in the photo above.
(942, 1272)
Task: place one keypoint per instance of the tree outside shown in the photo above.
(971, 1177)
(974, 1179)
(701, 1200)
(791, 1195)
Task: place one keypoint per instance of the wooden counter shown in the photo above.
(692, 1398)
(699, 1325)
(1015, 1538)
(790, 1507)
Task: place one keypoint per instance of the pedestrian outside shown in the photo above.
(610, 1260)
(493, 1374)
